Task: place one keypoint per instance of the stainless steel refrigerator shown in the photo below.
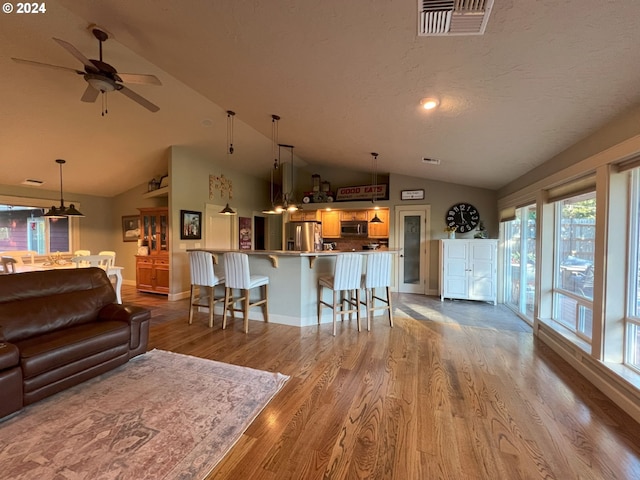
(304, 236)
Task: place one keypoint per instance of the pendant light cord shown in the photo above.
(230, 115)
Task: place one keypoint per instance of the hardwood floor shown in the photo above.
(456, 390)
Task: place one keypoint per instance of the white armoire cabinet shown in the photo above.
(469, 269)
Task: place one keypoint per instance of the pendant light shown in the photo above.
(374, 157)
(289, 197)
(227, 210)
(62, 211)
(276, 165)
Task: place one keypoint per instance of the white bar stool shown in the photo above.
(204, 276)
(378, 275)
(347, 277)
(238, 276)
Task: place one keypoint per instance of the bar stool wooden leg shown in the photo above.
(191, 302)
(265, 305)
(211, 304)
(245, 309)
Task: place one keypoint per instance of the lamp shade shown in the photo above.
(227, 210)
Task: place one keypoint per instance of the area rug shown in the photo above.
(160, 416)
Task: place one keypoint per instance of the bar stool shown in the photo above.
(238, 276)
(378, 275)
(347, 277)
(204, 276)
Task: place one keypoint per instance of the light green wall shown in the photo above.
(189, 174)
(440, 196)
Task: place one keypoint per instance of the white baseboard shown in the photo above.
(621, 392)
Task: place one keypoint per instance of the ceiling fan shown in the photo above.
(100, 76)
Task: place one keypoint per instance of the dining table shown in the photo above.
(113, 271)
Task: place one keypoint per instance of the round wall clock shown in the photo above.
(463, 216)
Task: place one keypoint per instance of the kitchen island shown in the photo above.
(293, 282)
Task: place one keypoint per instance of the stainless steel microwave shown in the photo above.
(354, 229)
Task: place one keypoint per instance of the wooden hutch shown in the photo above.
(152, 271)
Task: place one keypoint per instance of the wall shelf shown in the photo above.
(160, 192)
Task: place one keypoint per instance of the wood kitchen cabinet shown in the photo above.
(330, 224)
(348, 215)
(152, 271)
(379, 230)
(302, 215)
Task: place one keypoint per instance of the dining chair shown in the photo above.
(238, 276)
(378, 275)
(20, 255)
(203, 277)
(112, 254)
(7, 265)
(346, 279)
(81, 253)
(100, 261)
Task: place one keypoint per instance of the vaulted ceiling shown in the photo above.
(345, 77)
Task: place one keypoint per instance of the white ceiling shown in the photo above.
(345, 76)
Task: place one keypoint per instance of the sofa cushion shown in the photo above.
(35, 303)
(55, 349)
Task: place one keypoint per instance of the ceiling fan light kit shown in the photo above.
(100, 76)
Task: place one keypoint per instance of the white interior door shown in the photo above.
(220, 230)
(412, 234)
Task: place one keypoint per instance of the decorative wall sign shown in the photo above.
(362, 192)
(244, 237)
(221, 184)
(412, 194)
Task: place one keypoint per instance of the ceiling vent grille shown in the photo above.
(453, 17)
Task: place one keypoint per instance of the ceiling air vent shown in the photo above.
(430, 161)
(453, 17)
(33, 183)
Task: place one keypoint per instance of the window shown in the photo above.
(632, 321)
(574, 263)
(520, 261)
(24, 227)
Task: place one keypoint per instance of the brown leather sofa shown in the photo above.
(59, 328)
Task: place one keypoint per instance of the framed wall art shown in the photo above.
(130, 228)
(190, 225)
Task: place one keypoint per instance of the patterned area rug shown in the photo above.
(161, 416)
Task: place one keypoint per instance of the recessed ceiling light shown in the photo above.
(429, 103)
(207, 122)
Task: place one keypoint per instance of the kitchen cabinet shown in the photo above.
(152, 271)
(330, 224)
(353, 215)
(379, 230)
(469, 269)
(301, 215)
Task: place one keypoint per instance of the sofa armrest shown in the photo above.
(9, 355)
(138, 318)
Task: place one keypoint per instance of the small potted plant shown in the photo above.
(451, 231)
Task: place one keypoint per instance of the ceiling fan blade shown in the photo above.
(137, 98)
(76, 53)
(48, 65)
(90, 95)
(139, 78)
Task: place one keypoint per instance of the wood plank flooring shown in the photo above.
(456, 390)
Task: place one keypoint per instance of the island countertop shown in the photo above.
(274, 254)
(293, 281)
